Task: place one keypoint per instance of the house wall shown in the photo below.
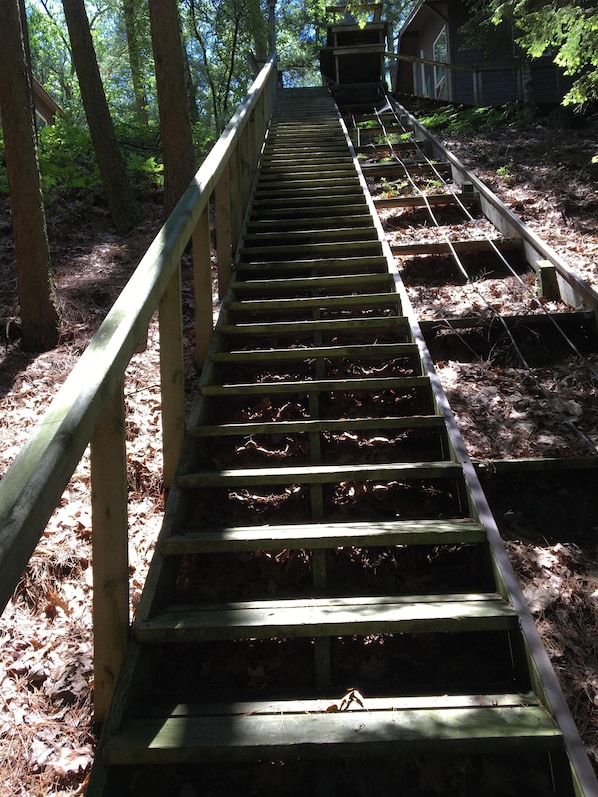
(498, 82)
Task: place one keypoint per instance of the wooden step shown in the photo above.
(378, 425)
(320, 474)
(296, 223)
(293, 387)
(297, 251)
(367, 301)
(332, 193)
(322, 202)
(271, 212)
(325, 617)
(315, 729)
(381, 351)
(294, 238)
(324, 535)
(345, 263)
(352, 325)
(312, 284)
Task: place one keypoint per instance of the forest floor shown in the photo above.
(47, 735)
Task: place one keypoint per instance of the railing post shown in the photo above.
(245, 151)
(223, 231)
(236, 202)
(172, 375)
(202, 284)
(110, 549)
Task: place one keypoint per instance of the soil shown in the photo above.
(47, 735)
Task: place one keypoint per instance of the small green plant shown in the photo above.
(505, 172)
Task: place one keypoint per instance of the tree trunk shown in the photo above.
(175, 127)
(134, 49)
(37, 298)
(530, 110)
(121, 201)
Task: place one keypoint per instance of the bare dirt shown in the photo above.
(47, 735)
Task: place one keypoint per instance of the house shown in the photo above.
(46, 110)
(431, 37)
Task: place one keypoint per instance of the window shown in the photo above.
(440, 54)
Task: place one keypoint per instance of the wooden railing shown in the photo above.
(90, 408)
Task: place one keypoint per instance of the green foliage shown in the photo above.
(455, 121)
(67, 160)
(565, 31)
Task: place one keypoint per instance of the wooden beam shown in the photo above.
(110, 550)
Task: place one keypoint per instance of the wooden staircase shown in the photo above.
(324, 609)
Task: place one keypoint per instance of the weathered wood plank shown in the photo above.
(334, 735)
(318, 302)
(318, 617)
(320, 474)
(324, 535)
(110, 550)
(298, 251)
(380, 425)
(355, 325)
(379, 352)
(345, 385)
(347, 263)
(295, 284)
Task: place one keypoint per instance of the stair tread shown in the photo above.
(323, 617)
(323, 324)
(364, 299)
(310, 729)
(328, 425)
(325, 535)
(320, 474)
(379, 351)
(343, 384)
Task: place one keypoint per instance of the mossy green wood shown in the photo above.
(344, 262)
(381, 352)
(316, 385)
(334, 734)
(391, 324)
(377, 425)
(320, 474)
(324, 535)
(320, 617)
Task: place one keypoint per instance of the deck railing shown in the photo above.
(89, 409)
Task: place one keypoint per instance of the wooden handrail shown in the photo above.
(89, 407)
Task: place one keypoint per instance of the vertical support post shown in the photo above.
(223, 231)
(202, 284)
(548, 286)
(172, 375)
(245, 153)
(477, 87)
(236, 207)
(109, 549)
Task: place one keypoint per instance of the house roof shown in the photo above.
(421, 13)
(45, 106)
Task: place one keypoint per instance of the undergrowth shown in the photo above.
(67, 159)
(457, 120)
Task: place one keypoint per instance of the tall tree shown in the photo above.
(119, 195)
(224, 30)
(37, 298)
(133, 18)
(173, 108)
